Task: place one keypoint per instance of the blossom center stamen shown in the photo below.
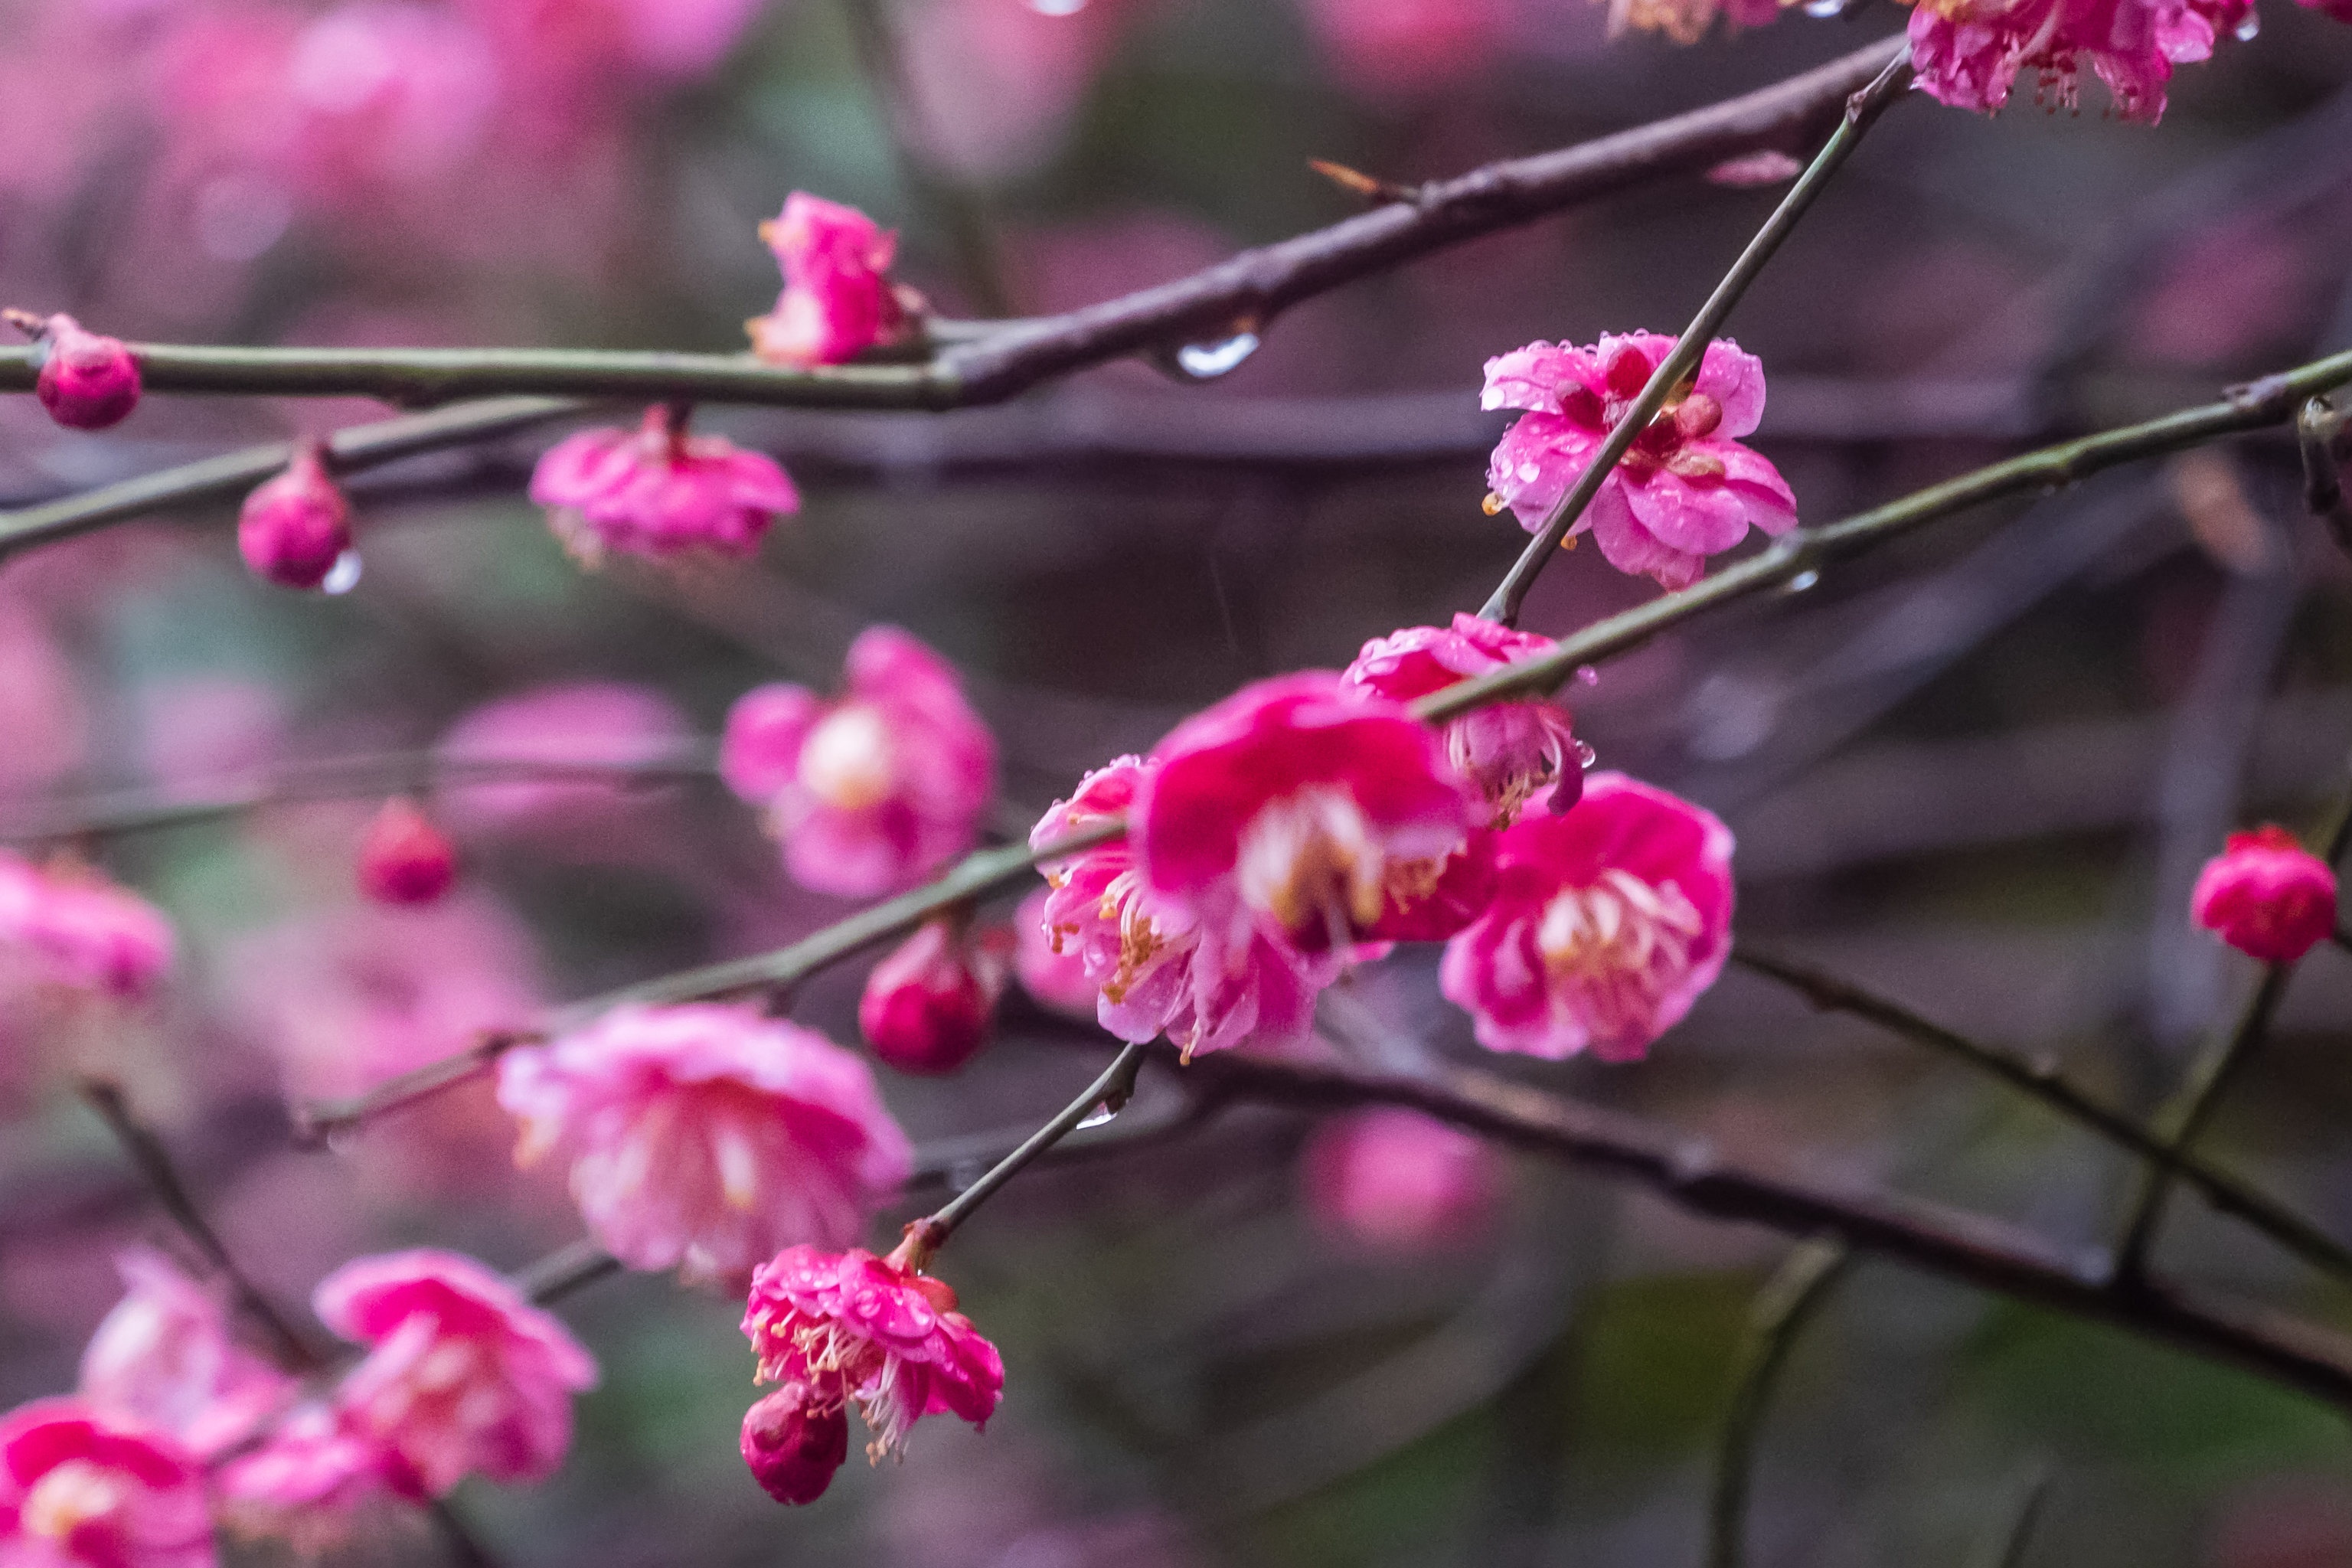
(845, 762)
(1629, 942)
(70, 1496)
(1309, 862)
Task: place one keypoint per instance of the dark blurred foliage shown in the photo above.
(1978, 771)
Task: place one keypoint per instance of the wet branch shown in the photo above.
(1788, 1301)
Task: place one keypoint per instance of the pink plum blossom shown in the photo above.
(2340, 9)
(81, 930)
(1304, 811)
(1417, 46)
(165, 1357)
(1606, 925)
(838, 300)
(854, 1328)
(1685, 489)
(1520, 754)
(876, 790)
(1397, 1181)
(2266, 895)
(462, 1375)
(80, 1488)
(1968, 53)
(293, 528)
(656, 491)
(86, 382)
(579, 725)
(706, 1137)
(1054, 977)
(403, 858)
(1143, 952)
(316, 1465)
(926, 1007)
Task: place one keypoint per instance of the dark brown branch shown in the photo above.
(986, 362)
(1970, 1248)
(2045, 1081)
(292, 1347)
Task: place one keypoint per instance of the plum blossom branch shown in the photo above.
(2193, 1104)
(1107, 1094)
(1973, 1250)
(1808, 550)
(1789, 1298)
(336, 778)
(153, 1162)
(1682, 361)
(232, 474)
(979, 873)
(972, 362)
(2041, 1078)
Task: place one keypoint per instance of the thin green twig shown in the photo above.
(1788, 1301)
(1861, 112)
(2044, 1079)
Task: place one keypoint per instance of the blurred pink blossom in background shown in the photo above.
(876, 789)
(165, 1356)
(1395, 1180)
(2266, 895)
(705, 1136)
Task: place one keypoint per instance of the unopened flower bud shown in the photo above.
(927, 1006)
(293, 528)
(86, 382)
(403, 858)
(793, 1450)
(2266, 895)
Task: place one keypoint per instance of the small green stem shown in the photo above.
(1789, 1300)
(2184, 1117)
(1110, 1091)
(1861, 112)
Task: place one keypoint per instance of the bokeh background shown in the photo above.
(1978, 771)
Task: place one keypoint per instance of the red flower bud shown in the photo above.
(403, 858)
(793, 1450)
(294, 527)
(927, 1006)
(86, 382)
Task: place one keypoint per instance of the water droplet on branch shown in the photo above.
(1208, 361)
(1058, 7)
(2249, 29)
(1099, 1116)
(1802, 581)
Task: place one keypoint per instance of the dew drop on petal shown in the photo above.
(343, 575)
(1206, 362)
(2249, 29)
(1585, 755)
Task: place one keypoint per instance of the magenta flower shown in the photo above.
(82, 1489)
(1686, 488)
(838, 300)
(317, 1467)
(1606, 924)
(877, 790)
(86, 382)
(2266, 895)
(293, 528)
(1143, 952)
(1397, 1181)
(403, 858)
(928, 1006)
(82, 930)
(1304, 811)
(706, 1137)
(462, 1375)
(854, 1328)
(1519, 754)
(656, 491)
(163, 1357)
(794, 1442)
(1968, 53)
